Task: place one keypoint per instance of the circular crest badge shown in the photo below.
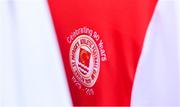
(85, 60)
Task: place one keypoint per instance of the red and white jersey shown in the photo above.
(89, 53)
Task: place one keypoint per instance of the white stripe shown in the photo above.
(157, 80)
(31, 69)
(7, 61)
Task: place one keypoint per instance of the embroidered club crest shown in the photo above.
(85, 60)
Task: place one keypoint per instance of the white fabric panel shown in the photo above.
(157, 81)
(31, 68)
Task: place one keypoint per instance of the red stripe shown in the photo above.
(121, 24)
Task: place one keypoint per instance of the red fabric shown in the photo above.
(121, 24)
